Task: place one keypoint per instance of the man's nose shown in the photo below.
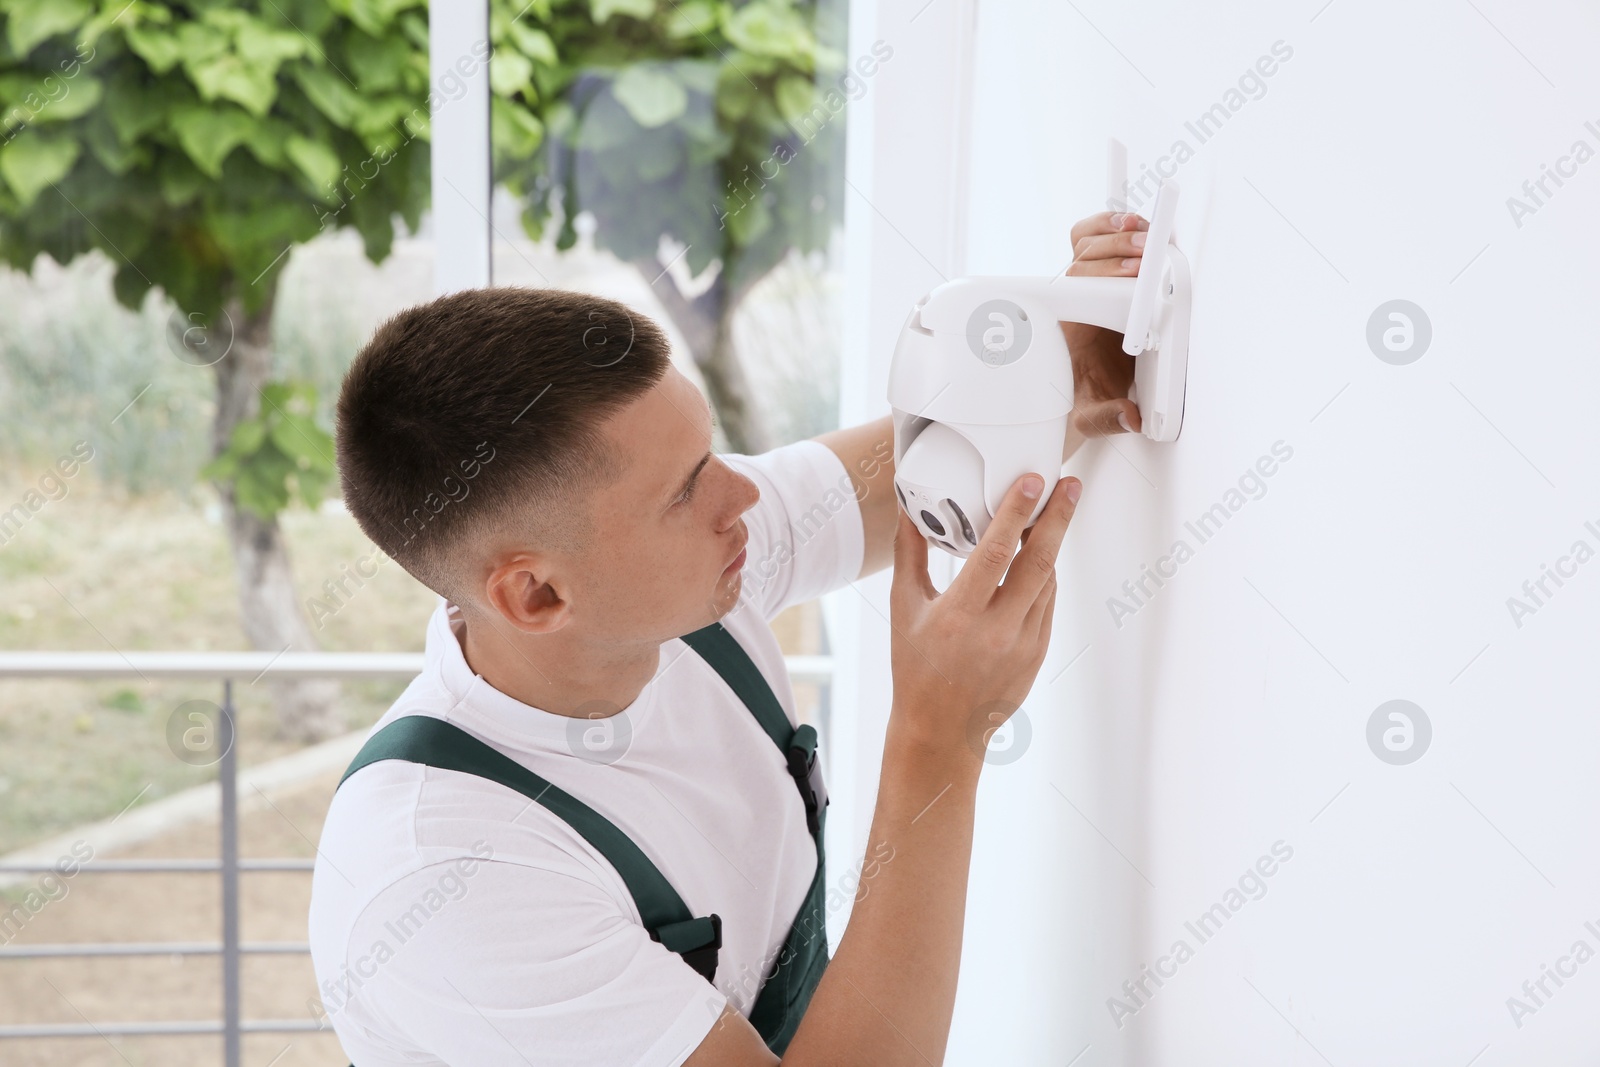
(746, 495)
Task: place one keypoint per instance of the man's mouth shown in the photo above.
(738, 561)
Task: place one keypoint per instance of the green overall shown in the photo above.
(794, 975)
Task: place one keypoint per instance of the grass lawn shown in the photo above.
(100, 570)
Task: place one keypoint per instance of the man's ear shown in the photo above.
(525, 590)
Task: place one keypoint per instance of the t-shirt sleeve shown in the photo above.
(806, 536)
(516, 964)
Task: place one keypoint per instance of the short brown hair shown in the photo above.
(483, 407)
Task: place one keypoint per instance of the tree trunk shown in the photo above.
(268, 610)
(706, 323)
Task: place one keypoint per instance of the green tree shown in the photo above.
(196, 143)
(716, 125)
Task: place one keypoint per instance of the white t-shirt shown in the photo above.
(454, 921)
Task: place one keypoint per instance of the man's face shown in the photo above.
(667, 555)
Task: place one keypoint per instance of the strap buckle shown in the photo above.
(807, 773)
(696, 940)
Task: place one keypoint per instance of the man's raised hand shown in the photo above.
(976, 648)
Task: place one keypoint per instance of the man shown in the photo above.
(590, 831)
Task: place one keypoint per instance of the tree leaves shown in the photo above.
(687, 126)
(376, 17)
(602, 10)
(81, 96)
(532, 42)
(769, 28)
(208, 134)
(330, 93)
(795, 97)
(267, 139)
(32, 162)
(30, 22)
(693, 18)
(316, 161)
(279, 452)
(265, 45)
(659, 118)
(385, 123)
(178, 180)
(113, 154)
(230, 55)
(140, 130)
(157, 47)
(228, 77)
(748, 219)
(135, 108)
(511, 73)
(514, 129)
(650, 94)
(377, 63)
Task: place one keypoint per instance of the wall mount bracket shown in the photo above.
(981, 383)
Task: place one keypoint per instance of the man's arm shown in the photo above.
(867, 452)
(963, 661)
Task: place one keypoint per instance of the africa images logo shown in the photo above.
(998, 332)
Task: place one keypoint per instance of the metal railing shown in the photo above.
(224, 667)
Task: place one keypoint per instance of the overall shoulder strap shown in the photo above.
(798, 744)
(436, 743)
(787, 990)
(728, 658)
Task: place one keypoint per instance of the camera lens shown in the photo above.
(933, 523)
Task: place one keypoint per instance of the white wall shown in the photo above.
(1229, 713)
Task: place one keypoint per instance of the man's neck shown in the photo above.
(558, 673)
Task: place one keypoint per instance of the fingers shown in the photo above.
(1107, 222)
(1112, 254)
(1043, 610)
(1035, 565)
(1105, 268)
(1099, 419)
(980, 577)
(910, 562)
(1110, 245)
(1048, 621)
